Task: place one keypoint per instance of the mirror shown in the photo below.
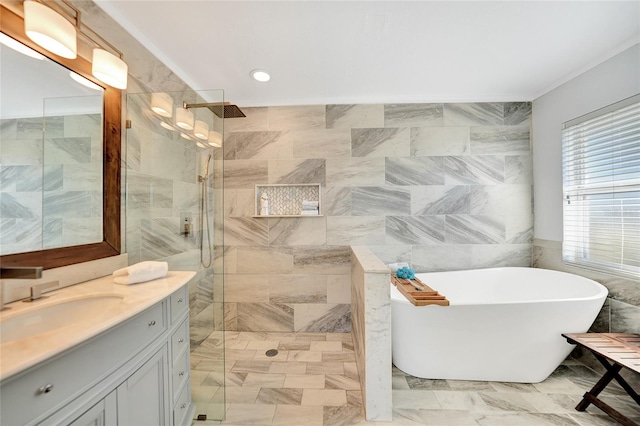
(50, 156)
(59, 159)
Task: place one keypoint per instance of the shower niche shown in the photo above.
(288, 200)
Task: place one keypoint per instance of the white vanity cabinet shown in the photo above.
(133, 374)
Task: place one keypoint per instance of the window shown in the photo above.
(601, 189)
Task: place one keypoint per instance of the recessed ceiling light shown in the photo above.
(260, 75)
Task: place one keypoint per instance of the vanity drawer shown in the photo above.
(180, 340)
(180, 373)
(48, 387)
(181, 409)
(179, 303)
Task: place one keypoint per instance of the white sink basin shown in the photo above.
(64, 313)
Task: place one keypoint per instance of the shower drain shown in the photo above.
(271, 352)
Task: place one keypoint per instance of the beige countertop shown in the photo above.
(19, 354)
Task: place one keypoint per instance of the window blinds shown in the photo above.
(601, 189)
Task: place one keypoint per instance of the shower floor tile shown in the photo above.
(313, 381)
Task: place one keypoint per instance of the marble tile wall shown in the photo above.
(440, 186)
(50, 182)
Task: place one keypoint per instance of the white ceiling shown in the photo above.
(327, 52)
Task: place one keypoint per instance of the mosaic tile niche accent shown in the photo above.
(287, 199)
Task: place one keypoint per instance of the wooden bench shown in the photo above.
(614, 351)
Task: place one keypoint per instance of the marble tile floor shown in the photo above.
(314, 381)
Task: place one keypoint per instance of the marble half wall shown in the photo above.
(440, 186)
(371, 333)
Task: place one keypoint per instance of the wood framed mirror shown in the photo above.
(12, 24)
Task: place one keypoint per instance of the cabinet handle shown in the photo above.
(180, 300)
(180, 340)
(152, 323)
(183, 406)
(181, 373)
(45, 389)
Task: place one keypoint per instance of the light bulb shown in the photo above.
(109, 69)
(84, 81)
(215, 139)
(167, 126)
(162, 104)
(184, 119)
(201, 130)
(19, 47)
(49, 29)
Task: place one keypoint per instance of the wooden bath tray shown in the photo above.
(425, 296)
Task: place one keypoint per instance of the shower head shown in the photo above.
(221, 109)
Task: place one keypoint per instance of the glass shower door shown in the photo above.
(174, 214)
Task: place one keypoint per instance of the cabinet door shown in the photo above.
(143, 397)
(104, 413)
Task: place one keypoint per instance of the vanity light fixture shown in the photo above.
(109, 69)
(184, 118)
(201, 145)
(85, 82)
(49, 29)
(58, 33)
(260, 75)
(19, 47)
(162, 104)
(201, 130)
(215, 139)
(185, 136)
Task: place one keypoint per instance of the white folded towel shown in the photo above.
(310, 203)
(141, 272)
(395, 266)
(310, 212)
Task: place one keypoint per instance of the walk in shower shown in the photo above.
(173, 190)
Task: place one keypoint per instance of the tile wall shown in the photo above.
(621, 312)
(50, 183)
(441, 186)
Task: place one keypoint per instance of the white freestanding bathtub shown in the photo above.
(503, 324)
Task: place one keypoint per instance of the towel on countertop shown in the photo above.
(141, 272)
(310, 204)
(310, 212)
